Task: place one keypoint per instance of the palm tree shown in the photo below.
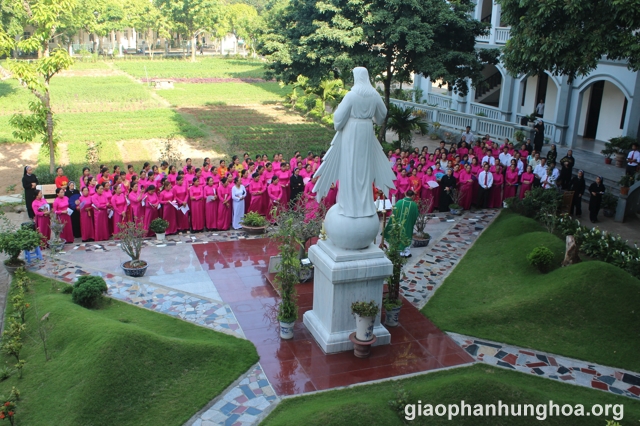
(403, 122)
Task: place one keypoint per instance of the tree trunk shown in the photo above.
(382, 136)
(193, 48)
(50, 141)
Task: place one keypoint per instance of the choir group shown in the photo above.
(216, 198)
(192, 199)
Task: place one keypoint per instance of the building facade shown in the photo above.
(584, 113)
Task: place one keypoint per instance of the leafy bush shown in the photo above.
(541, 258)
(566, 225)
(365, 309)
(609, 201)
(254, 219)
(68, 289)
(536, 200)
(159, 225)
(87, 291)
(12, 243)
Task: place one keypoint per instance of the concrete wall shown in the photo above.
(584, 108)
(610, 112)
(551, 99)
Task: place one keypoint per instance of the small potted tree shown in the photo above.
(365, 314)
(159, 226)
(436, 127)
(254, 223)
(621, 146)
(519, 135)
(420, 237)
(396, 243)
(608, 151)
(454, 207)
(287, 276)
(131, 235)
(626, 182)
(13, 242)
(56, 243)
(609, 204)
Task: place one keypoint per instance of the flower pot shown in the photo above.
(13, 268)
(624, 190)
(609, 212)
(620, 160)
(607, 160)
(56, 245)
(364, 328)
(286, 330)
(254, 230)
(420, 242)
(160, 236)
(134, 272)
(455, 212)
(392, 316)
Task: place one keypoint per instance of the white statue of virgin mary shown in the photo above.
(355, 158)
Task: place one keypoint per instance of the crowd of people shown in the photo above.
(481, 174)
(190, 199)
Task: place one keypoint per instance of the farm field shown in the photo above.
(218, 107)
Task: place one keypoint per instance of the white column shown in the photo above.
(495, 22)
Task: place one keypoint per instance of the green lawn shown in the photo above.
(478, 384)
(119, 365)
(206, 67)
(587, 311)
(192, 94)
(259, 133)
(115, 126)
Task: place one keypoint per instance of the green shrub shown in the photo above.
(88, 290)
(254, 219)
(536, 201)
(566, 225)
(541, 258)
(68, 289)
(159, 225)
(365, 309)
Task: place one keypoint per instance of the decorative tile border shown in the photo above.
(422, 280)
(568, 370)
(244, 403)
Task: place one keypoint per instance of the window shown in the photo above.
(624, 113)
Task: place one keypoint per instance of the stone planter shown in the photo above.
(420, 242)
(134, 272)
(286, 330)
(12, 268)
(392, 316)
(254, 230)
(364, 328)
(620, 160)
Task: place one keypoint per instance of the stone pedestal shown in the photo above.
(342, 277)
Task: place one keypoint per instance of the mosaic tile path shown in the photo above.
(551, 366)
(204, 312)
(423, 279)
(242, 405)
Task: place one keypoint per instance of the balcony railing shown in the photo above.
(440, 100)
(486, 111)
(502, 34)
(483, 39)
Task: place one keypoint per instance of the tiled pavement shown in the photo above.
(551, 366)
(423, 278)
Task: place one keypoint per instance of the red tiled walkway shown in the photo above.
(237, 269)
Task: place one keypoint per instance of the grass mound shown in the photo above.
(120, 365)
(587, 311)
(478, 384)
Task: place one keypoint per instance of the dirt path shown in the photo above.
(13, 157)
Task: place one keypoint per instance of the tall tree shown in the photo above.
(569, 37)
(193, 17)
(243, 21)
(46, 17)
(392, 38)
(148, 20)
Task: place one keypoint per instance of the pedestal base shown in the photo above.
(342, 277)
(362, 349)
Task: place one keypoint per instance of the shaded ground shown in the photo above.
(13, 157)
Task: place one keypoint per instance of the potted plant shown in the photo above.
(287, 276)
(56, 243)
(608, 151)
(519, 135)
(620, 146)
(609, 204)
(159, 226)
(254, 223)
(396, 243)
(434, 135)
(365, 314)
(454, 207)
(626, 182)
(13, 242)
(420, 237)
(531, 119)
(131, 235)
